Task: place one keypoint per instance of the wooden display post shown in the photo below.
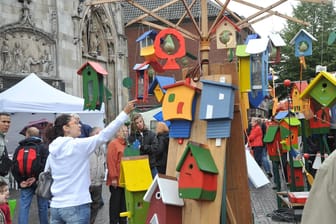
(229, 155)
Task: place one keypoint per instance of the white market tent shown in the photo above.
(32, 99)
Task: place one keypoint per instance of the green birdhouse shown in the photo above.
(93, 84)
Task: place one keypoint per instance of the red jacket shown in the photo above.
(6, 211)
(256, 136)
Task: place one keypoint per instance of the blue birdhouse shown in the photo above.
(259, 55)
(216, 107)
(156, 87)
(303, 43)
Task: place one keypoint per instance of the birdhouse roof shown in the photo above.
(139, 67)
(161, 81)
(305, 33)
(181, 83)
(225, 18)
(168, 187)
(95, 65)
(224, 84)
(293, 121)
(256, 46)
(300, 85)
(270, 133)
(150, 33)
(321, 75)
(251, 37)
(282, 114)
(202, 156)
(241, 51)
(277, 40)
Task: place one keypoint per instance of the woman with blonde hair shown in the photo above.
(162, 135)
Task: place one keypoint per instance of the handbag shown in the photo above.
(5, 163)
(44, 184)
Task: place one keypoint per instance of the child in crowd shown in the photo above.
(4, 207)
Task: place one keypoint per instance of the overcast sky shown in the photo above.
(270, 24)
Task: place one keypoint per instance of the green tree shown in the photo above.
(322, 23)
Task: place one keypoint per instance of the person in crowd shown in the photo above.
(255, 139)
(4, 207)
(145, 139)
(5, 121)
(265, 161)
(70, 165)
(97, 174)
(85, 128)
(162, 134)
(3, 200)
(115, 151)
(27, 184)
(321, 202)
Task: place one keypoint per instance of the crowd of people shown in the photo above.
(81, 159)
(254, 135)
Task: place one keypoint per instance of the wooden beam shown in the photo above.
(273, 12)
(261, 11)
(154, 10)
(185, 13)
(254, 21)
(165, 21)
(192, 17)
(159, 27)
(97, 2)
(316, 1)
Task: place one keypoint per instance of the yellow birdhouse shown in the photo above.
(135, 177)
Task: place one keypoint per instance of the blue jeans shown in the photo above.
(266, 163)
(26, 196)
(79, 214)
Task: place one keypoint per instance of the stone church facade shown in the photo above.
(53, 38)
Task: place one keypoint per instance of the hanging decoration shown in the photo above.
(168, 50)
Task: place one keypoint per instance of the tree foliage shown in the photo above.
(322, 23)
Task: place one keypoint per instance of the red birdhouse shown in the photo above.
(165, 206)
(198, 173)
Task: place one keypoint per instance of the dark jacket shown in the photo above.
(162, 153)
(148, 144)
(43, 151)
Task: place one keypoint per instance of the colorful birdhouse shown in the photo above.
(146, 41)
(198, 173)
(322, 88)
(276, 43)
(165, 205)
(135, 177)
(243, 68)
(303, 43)
(271, 139)
(299, 104)
(156, 87)
(259, 51)
(178, 106)
(142, 81)
(173, 47)
(93, 84)
(290, 131)
(320, 123)
(216, 107)
(298, 176)
(226, 34)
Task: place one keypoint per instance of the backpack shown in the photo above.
(27, 161)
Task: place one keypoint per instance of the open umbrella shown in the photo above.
(39, 124)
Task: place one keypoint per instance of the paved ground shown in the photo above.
(264, 202)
